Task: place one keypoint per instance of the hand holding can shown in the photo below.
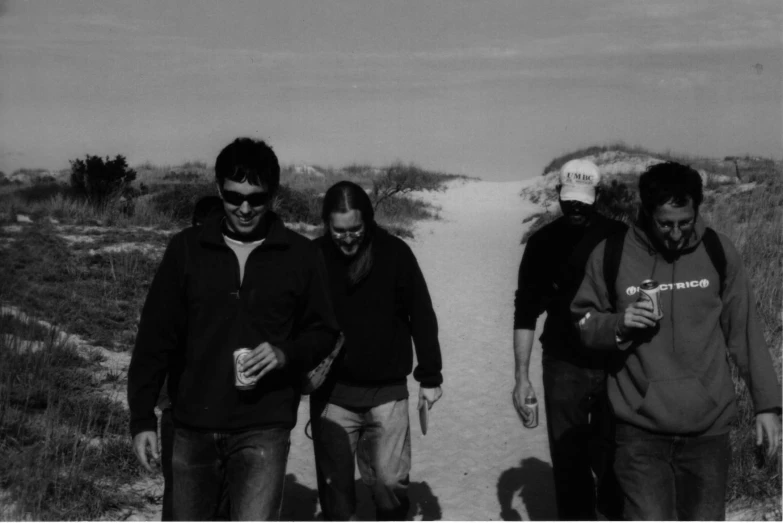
(242, 381)
(650, 291)
(531, 405)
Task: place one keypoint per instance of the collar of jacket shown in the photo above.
(653, 245)
(212, 232)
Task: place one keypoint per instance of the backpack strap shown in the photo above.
(717, 255)
(613, 250)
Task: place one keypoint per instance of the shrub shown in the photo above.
(100, 180)
(179, 200)
(298, 206)
(399, 179)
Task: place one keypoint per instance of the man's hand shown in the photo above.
(638, 315)
(523, 389)
(262, 360)
(768, 426)
(141, 441)
(430, 395)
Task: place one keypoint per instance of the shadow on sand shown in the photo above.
(532, 482)
(300, 503)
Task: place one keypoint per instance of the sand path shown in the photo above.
(477, 462)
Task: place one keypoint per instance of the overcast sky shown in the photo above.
(486, 88)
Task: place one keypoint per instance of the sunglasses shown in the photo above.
(256, 199)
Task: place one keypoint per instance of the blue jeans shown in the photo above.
(579, 428)
(379, 439)
(249, 464)
(669, 477)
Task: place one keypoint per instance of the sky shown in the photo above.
(493, 89)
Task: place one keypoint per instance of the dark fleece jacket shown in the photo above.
(675, 378)
(196, 314)
(381, 314)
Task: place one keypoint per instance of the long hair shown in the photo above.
(344, 197)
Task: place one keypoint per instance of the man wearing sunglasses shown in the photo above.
(240, 280)
(671, 391)
(574, 380)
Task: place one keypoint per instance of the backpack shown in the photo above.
(614, 250)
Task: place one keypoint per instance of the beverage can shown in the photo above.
(241, 381)
(532, 405)
(650, 291)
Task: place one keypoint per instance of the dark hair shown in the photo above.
(344, 197)
(204, 207)
(670, 182)
(248, 160)
(347, 196)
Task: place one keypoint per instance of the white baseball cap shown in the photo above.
(579, 179)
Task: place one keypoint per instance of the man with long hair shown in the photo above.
(241, 280)
(671, 390)
(382, 303)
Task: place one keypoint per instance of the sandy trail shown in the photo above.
(477, 462)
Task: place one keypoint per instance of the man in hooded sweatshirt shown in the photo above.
(671, 392)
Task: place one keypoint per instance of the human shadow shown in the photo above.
(424, 505)
(533, 482)
(423, 502)
(299, 502)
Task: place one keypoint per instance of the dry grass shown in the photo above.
(64, 451)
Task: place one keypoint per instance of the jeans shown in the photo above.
(579, 429)
(379, 439)
(166, 451)
(670, 477)
(249, 464)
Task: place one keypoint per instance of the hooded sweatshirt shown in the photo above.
(675, 378)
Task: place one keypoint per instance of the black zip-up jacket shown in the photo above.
(196, 314)
(549, 276)
(381, 314)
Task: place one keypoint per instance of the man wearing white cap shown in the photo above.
(574, 378)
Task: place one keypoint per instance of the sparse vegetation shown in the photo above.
(64, 450)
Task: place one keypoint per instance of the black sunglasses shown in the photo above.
(256, 199)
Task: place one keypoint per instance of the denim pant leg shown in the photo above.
(197, 475)
(701, 469)
(384, 457)
(255, 462)
(643, 466)
(335, 436)
(571, 393)
(166, 452)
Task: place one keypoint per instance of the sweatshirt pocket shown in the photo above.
(678, 406)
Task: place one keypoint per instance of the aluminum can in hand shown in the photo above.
(650, 291)
(531, 404)
(241, 381)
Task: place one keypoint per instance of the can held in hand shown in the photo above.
(650, 291)
(241, 381)
(531, 404)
